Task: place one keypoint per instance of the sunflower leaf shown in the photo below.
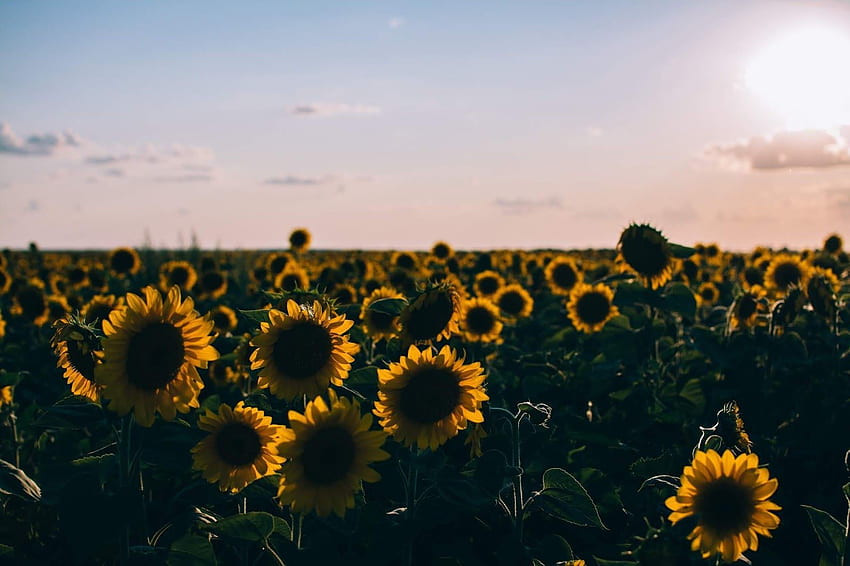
(662, 479)
(13, 481)
(191, 550)
(388, 306)
(11, 378)
(603, 562)
(363, 376)
(830, 533)
(254, 527)
(681, 252)
(257, 315)
(565, 498)
(679, 299)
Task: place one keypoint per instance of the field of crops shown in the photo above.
(653, 404)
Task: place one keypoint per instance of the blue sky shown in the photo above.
(395, 124)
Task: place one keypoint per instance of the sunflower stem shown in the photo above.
(412, 480)
(124, 479)
(297, 528)
(516, 462)
(16, 441)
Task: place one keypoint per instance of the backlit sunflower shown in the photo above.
(303, 350)
(488, 283)
(644, 250)
(79, 352)
(379, 325)
(745, 309)
(591, 306)
(328, 450)
(124, 261)
(729, 496)
(426, 398)
(292, 277)
(224, 319)
(514, 301)
(179, 273)
(433, 315)
(480, 321)
(241, 447)
(299, 240)
(562, 275)
(151, 349)
(730, 428)
(785, 271)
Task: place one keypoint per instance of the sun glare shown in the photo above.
(803, 76)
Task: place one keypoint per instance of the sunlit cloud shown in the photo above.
(154, 154)
(196, 178)
(526, 205)
(36, 144)
(784, 150)
(296, 181)
(325, 109)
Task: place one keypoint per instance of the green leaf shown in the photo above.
(830, 533)
(565, 498)
(603, 562)
(258, 315)
(693, 393)
(681, 252)
(11, 378)
(191, 550)
(254, 526)
(678, 298)
(392, 307)
(552, 549)
(363, 376)
(13, 481)
(73, 412)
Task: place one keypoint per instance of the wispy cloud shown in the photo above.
(396, 22)
(36, 144)
(784, 150)
(296, 181)
(526, 205)
(194, 178)
(327, 109)
(175, 153)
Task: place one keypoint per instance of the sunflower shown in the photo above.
(406, 261)
(426, 398)
(77, 276)
(562, 275)
(212, 284)
(124, 261)
(744, 311)
(821, 289)
(591, 306)
(729, 496)
(299, 240)
(241, 447)
(57, 307)
(644, 250)
(379, 325)
(833, 244)
(179, 273)
(2, 327)
(79, 352)
(98, 308)
(292, 277)
(328, 450)
(30, 302)
(707, 294)
(730, 428)
(151, 349)
(514, 301)
(275, 262)
(344, 294)
(786, 271)
(303, 350)
(433, 315)
(224, 319)
(479, 321)
(442, 251)
(5, 281)
(7, 395)
(488, 283)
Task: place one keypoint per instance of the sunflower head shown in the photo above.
(745, 309)
(730, 498)
(480, 321)
(178, 272)
(821, 289)
(212, 284)
(433, 315)
(833, 244)
(30, 302)
(786, 271)
(442, 251)
(514, 301)
(562, 275)
(730, 428)
(644, 250)
(124, 261)
(299, 240)
(427, 397)
(328, 449)
(707, 294)
(224, 319)
(292, 278)
(590, 307)
(78, 348)
(98, 308)
(5, 281)
(406, 261)
(379, 325)
(276, 262)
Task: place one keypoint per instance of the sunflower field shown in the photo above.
(652, 404)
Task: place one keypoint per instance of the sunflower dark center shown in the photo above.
(431, 395)
(302, 350)
(480, 320)
(278, 263)
(427, 319)
(290, 282)
(512, 302)
(754, 276)
(298, 239)
(97, 278)
(343, 295)
(441, 251)
(645, 255)
(76, 275)
(564, 276)
(707, 293)
(405, 261)
(212, 280)
(786, 274)
(179, 275)
(221, 320)
(83, 363)
(328, 455)
(122, 261)
(593, 307)
(32, 301)
(237, 444)
(724, 506)
(488, 285)
(155, 356)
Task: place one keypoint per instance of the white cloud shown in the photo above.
(326, 109)
(526, 205)
(784, 150)
(36, 144)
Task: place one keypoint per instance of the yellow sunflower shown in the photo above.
(404, 260)
(299, 240)
(729, 496)
(303, 350)
(241, 447)
(151, 349)
(745, 309)
(488, 283)
(644, 250)
(514, 301)
(98, 308)
(707, 294)
(433, 315)
(378, 325)
(2, 327)
(30, 302)
(426, 398)
(224, 319)
(562, 275)
(79, 353)
(293, 277)
(480, 321)
(442, 251)
(124, 261)
(786, 271)
(590, 307)
(7, 395)
(328, 450)
(275, 262)
(179, 273)
(5, 281)
(213, 284)
(821, 289)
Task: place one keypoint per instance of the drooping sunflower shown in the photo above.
(212, 284)
(488, 283)
(241, 447)
(328, 450)
(151, 350)
(177, 272)
(303, 350)
(426, 398)
(480, 321)
(786, 271)
(730, 498)
(562, 275)
(79, 352)
(124, 261)
(514, 301)
(224, 319)
(745, 309)
(644, 250)
(299, 240)
(433, 315)
(293, 277)
(379, 325)
(591, 306)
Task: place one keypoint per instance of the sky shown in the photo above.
(383, 125)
